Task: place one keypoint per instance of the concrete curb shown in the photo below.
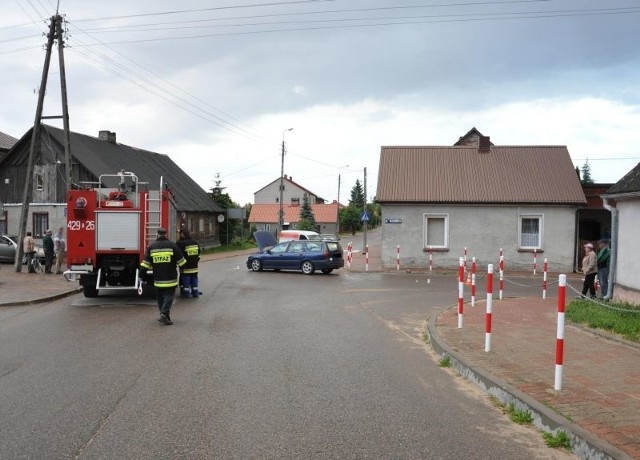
(583, 444)
(50, 298)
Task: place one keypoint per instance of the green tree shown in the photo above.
(586, 174)
(307, 219)
(350, 218)
(357, 195)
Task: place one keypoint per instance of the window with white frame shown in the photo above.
(39, 181)
(436, 230)
(530, 232)
(201, 225)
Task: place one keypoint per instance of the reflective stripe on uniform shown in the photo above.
(192, 250)
(165, 283)
(190, 271)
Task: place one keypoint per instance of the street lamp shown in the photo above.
(338, 203)
(281, 213)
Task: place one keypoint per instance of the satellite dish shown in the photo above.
(220, 218)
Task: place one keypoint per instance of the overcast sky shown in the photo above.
(215, 84)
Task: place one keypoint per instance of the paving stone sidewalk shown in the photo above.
(601, 376)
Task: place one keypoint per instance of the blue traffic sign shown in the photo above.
(364, 217)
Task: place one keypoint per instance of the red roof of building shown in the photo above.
(269, 213)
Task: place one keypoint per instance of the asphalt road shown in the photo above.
(263, 365)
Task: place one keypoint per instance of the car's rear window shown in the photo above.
(333, 246)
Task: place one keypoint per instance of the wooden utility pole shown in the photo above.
(65, 106)
(55, 32)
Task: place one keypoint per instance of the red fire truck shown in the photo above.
(110, 223)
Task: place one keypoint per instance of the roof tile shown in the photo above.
(506, 174)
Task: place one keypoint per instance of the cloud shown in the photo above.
(220, 103)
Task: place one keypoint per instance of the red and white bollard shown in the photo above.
(366, 269)
(501, 275)
(535, 261)
(562, 283)
(487, 321)
(430, 259)
(460, 292)
(465, 258)
(473, 281)
(398, 257)
(544, 279)
(349, 254)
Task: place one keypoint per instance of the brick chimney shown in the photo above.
(107, 136)
(484, 144)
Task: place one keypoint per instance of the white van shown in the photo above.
(290, 235)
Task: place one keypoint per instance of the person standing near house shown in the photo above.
(49, 249)
(189, 271)
(589, 270)
(60, 247)
(29, 248)
(164, 256)
(604, 254)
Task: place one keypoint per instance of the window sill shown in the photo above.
(537, 251)
(435, 250)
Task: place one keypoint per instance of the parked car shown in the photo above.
(289, 235)
(9, 246)
(307, 256)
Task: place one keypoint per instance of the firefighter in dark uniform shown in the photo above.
(189, 271)
(164, 256)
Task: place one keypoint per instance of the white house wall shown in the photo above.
(483, 230)
(627, 281)
(271, 194)
(56, 212)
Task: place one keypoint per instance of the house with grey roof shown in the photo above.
(623, 200)
(91, 157)
(6, 142)
(522, 200)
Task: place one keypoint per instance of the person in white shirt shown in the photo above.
(60, 247)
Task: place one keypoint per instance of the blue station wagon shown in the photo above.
(306, 256)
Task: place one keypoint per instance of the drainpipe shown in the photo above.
(614, 244)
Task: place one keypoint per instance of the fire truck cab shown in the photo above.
(109, 226)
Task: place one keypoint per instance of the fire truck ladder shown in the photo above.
(153, 217)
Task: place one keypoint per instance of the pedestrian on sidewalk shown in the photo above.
(49, 249)
(589, 270)
(164, 256)
(29, 248)
(60, 246)
(189, 271)
(604, 254)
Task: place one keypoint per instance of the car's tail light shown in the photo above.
(325, 252)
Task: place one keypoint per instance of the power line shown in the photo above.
(318, 12)
(495, 16)
(223, 123)
(199, 10)
(390, 22)
(126, 73)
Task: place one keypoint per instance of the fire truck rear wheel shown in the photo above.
(89, 287)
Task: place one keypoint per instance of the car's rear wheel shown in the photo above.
(256, 265)
(326, 271)
(307, 267)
